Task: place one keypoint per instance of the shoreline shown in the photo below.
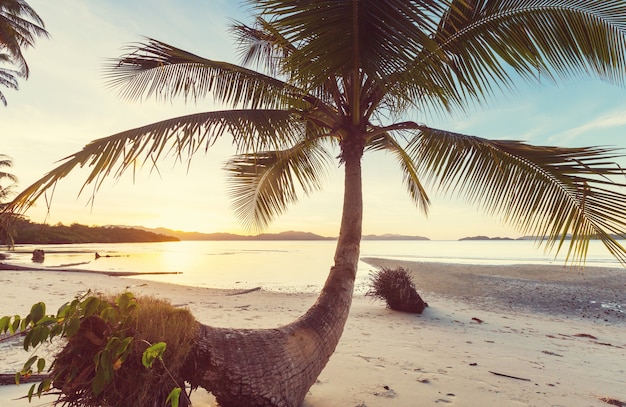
(61, 269)
(467, 348)
(594, 293)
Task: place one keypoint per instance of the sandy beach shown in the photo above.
(492, 335)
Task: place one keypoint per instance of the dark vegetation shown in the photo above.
(118, 351)
(103, 362)
(27, 232)
(396, 288)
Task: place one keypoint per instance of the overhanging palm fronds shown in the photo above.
(263, 47)
(8, 77)
(181, 138)
(156, 69)
(547, 191)
(411, 178)
(263, 184)
(19, 26)
(480, 43)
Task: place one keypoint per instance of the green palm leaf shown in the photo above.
(19, 27)
(156, 69)
(263, 184)
(180, 137)
(549, 192)
(416, 190)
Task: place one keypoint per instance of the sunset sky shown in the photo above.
(65, 104)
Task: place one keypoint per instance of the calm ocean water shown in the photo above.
(280, 265)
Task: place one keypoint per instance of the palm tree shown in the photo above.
(327, 75)
(19, 27)
(5, 192)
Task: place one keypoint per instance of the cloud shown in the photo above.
(611, 120)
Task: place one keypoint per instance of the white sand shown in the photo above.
(386, 358)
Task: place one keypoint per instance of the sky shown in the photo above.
(65, 104)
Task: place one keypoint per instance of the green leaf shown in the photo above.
(41, 365)
(152, 353)
(28, 339)
(174, 397)
(110, 315)
(126, 302)
(123, 348)
(18, 376)
(56, 330)
(29, 363)
(72, 326)
(4, 324)
(37, 335)
(37, 312)
(90, 305)
(63, 310)
(15, 325)
(30, 392)
(98, 383)
(44, 386)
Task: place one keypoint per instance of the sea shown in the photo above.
(288, 266)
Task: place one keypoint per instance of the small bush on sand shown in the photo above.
(117, 352)
(396, 288)
(127, 382)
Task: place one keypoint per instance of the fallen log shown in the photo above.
(7, 379)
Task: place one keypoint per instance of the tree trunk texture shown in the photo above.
(277, 367)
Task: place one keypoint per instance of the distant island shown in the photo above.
(27, 232)
(485, 238)
(288, 235)
(389, 236)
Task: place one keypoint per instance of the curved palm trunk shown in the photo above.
(276, 367)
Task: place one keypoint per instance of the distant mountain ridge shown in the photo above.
(485, 238)
(288, 235)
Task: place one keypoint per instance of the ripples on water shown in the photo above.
(280, 265)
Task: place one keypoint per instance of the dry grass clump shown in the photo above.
(132, 384)
(396, 288)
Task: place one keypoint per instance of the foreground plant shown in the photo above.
(108, 351)
(357, 76)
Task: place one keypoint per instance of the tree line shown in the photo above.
(27, 232)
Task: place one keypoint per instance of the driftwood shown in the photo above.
(7, 379)
(509, 376)
(246, 291)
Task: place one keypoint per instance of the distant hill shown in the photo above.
(289, 235)
(485, 238)
(390, 236)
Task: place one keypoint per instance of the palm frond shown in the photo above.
(6, 162)
(19, 26)
(262, 46)
(156, 69)
(481, 42)
(550, 192)
(410, 176)
(180, 137)
(264, 184)
(8, 80)
(378, 37)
